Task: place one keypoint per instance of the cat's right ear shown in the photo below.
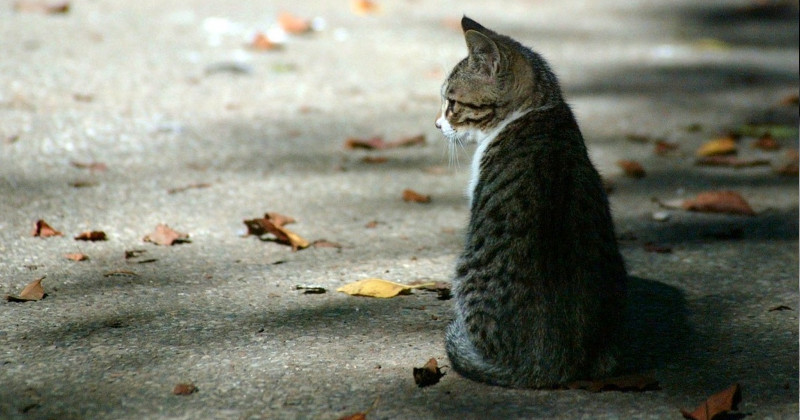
(484, 55)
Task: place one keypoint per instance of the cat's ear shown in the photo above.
(468, 24)
(484, 55)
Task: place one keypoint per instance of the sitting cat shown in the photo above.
(540, 285)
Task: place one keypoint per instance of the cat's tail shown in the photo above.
(468, 362)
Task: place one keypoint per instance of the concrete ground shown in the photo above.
(167, 95)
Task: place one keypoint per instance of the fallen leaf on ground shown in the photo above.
(322, 243)
(77, 257)
(766, 142)
(188, 187)
(625, 383)
(656, 248)
(442, 288)
(91, 235)
(719, 146)
(372, 224)
(374, 159)
(719, 202)
(631, 168)
(164, 235)
(41, 6)
(787, 165)
(120, 273)
(663, 147)
(32, 292)
(273, 223)
(261, 42)
(293, 24)
(363, 414)
(717, 404)
(184, 389)
(377, 142)
(790, 99)
(415, 197)
(92, 166)
(364, 7)
(311, 290)
(429, 374)
(83, 184)
(730, 161)
(780, 308)
(43, 230)
(379, 288)
(134, 253)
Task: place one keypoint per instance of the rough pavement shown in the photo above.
(166, 95)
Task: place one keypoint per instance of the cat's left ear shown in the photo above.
(483, 53)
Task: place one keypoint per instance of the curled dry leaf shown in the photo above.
(164, 235)
(717, 404)
(429, 374)
(377, 142)
(184, 389)
(43, 230)
(625, 383)
(32, 292)
(293, 24)
(415, 197)
(379, 288)
(91, 235)
(77, 257)
(631, 168)
(719, 146)
(273, 223)
(719, 202)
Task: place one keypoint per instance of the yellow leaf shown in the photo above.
(379, 288)
(719, 146)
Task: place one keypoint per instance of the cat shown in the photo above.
(540, 284)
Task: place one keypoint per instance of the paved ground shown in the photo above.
(166, 96)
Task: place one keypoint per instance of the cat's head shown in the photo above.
(494, 80)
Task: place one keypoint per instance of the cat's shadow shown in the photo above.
(657, 332)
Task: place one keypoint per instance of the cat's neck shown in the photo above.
(484, 138)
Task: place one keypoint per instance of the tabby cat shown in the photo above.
(540, 284)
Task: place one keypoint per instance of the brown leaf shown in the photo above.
(442, 288)
(43, 230)
(92, 166)
(91, 235)
(77, 257)
(625, 383)
(364, 7)
(766, 142)
(164, 235)
(374, 159)
(719, 403)
(663, 147)
(656, 248)
(261, 42)
(415, 197)
(730, 161)
(41, 6)
(293, 24)
(32, 292)
(428, 374)
(184, 389)
(356, 416)
(720, 146)
(372, 143)
(631, 168)
(790, 99)
(372, 224)
(719, 202)
(272, 223)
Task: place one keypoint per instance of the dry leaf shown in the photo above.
(273, 223)
(356, 416)
(442, 288)
(766, 142)
(43, 230)
(322, 243)
(120, 273)
(719, 403)
(656, 248)
(719, 202)
(188, 187)
(41, 6)
(293, 24)
(261, 42)
(730, 161)
(719, 146)
(779, 308)
(620, 383)
(364, 7)
(77, 257)
(429, 374)
(374, 159)
(790, 99)
(631, 168)
(164, 235)
(663, 147)
(378, 288)
(377, 143)
(415, 197)
(184, 389)
(372, 224)
(91, 235)
(92, 166)
(32, 292)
